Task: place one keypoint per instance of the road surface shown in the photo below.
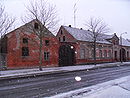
(48, 85)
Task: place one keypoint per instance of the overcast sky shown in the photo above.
(116, 13)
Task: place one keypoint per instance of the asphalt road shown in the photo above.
(48, 85)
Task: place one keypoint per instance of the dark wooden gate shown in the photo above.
(66, 55)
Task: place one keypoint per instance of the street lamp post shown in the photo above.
(121, 46)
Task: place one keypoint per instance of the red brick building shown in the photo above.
(22, 48)
(76, 47)
(71, 46)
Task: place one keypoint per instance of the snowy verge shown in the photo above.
(87, 91)
(9, 74)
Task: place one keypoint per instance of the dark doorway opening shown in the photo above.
(115, 55)
(66, 55)
(122, 55)
(3, 52)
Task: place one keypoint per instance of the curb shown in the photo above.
(30, 75)
(40, 73)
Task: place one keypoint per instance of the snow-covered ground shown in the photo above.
(69, 68)
(10, 73)
(118, 88)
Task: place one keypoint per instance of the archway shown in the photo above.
(66, 55)
(122, 55)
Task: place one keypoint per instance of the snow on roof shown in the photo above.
(84, 35)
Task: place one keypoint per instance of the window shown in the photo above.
(114, 42)
(82, 53)
(25, 40)
(25, 51)
(47, 42)
(105, 53)
(100, 53)
(46, 56)
(63, 38)
(59, 38)
(128, 54)
(109, 53)
(92, 53)
(61, 32)
(115, 55)
(36, 25)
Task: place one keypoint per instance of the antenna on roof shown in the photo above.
(75, 10)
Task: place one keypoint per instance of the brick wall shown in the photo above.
(15, 44)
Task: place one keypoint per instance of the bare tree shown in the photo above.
(97, 28)
(6, 22)
(46, 17)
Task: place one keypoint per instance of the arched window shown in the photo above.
(128, 54)
(82, 53)
(100, 53)
(109, 53)
(92, 53)
(105, 53)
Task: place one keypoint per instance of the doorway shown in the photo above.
(66, 55)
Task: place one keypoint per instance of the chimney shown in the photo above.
(69, 25)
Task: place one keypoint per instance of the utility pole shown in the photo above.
(75, 15)
(75, 10)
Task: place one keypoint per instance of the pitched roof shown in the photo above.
(84, 35)
(28, 25)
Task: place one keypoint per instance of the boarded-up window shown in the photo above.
(82, 53)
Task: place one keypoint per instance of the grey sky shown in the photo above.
(114, 12)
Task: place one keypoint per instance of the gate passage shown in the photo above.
(66, 55)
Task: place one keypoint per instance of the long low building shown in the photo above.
(77, 47)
